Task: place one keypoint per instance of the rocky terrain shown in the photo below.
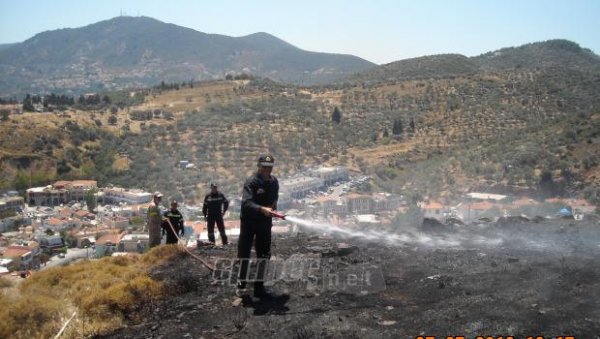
(511, 277)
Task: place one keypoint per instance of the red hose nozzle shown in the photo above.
(277, 214)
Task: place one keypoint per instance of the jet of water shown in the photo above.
(391, 238)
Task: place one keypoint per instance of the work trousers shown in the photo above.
(210, 224)
(155, 234)
(260, 234)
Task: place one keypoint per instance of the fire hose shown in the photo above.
(204, 262)
(276, 214)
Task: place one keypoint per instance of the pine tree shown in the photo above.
(336, 116)
(411, 125)
(398, 127)
(28, 104)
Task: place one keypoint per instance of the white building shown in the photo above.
(115, 195)
(61, 192)
(11, 203)
(330, 175)
(134, 243)
(46, 196)
(486, 196)
(300, 187)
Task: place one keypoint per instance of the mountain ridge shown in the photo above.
(140, 51)
(558, 53)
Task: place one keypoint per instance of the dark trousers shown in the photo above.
(171, 237)
(210, 224)
(261, 233)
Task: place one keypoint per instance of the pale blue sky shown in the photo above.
(380, 31)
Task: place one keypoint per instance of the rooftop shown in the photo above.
(486, 196)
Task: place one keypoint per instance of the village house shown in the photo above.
(50, 243)
(134, 243)
(85, 239)
(61, 192)
(366, 219)
(433, 209)
(83, 214)
(14, 204)
(23, 257)
(116, 195)
(387, 202)
(330, 206)
(107, 244)
(330, 175)
(470, 211)
(116, 222)
(46, 196)
(476, 196)
(300, 187)
(76, 189)
(359, 203)
(58, 224)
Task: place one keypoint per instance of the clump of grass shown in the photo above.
(103, 292)
(30, 316)
(160, 254)
(5, 283)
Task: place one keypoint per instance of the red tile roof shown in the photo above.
(16, 251)
(112, 238)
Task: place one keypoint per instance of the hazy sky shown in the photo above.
(380, 31)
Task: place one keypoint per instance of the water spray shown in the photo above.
(392, 238)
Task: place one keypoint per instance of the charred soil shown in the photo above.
(522, 279)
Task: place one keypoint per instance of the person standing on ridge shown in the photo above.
(215, 206)
(175, 218)
(154, 221)
(259, 201)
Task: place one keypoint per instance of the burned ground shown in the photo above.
(514, 277)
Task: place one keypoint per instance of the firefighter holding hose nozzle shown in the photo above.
(259, 204)
(173, 224)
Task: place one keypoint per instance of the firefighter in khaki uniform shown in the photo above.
(155, 221)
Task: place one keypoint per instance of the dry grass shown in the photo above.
(188, 99)
(5, 283)
(380, 153)
(121, 163)
(103, 293)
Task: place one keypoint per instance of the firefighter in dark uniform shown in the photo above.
(259, 200)
(176, 219)
(215, 206)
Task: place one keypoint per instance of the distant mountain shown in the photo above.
(141, 51)
(539, 55)
(547, 54)
(5, 46)
(427, 66)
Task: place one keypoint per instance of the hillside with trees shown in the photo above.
(519, 129)
(126, 52)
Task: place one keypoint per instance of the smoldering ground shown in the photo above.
(514, 277)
